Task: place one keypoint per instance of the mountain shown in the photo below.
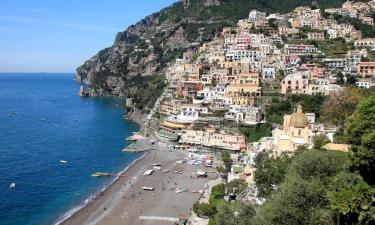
(134, 65)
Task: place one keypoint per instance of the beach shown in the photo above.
(125, 202)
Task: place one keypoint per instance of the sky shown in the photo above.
(59, 35)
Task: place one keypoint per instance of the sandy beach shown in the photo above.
(125, 202)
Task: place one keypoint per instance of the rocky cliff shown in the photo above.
(141, 53)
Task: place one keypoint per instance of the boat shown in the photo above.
(156, 164)
(63, 161)
(157, 167)
(165, 171)
(148, 172)
(178, 191)
(12, 185)
(98, 174)
(148, 188)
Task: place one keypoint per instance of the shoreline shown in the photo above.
(93, 197)
(66, 216)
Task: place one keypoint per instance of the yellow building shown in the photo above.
(295, 132)
(245, 89)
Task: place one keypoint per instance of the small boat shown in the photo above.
(63, 161)
(148, 172)
(148, 188)
(98, 174)
(165, 171)
(12, 185)
(156, 164)
(178, 191)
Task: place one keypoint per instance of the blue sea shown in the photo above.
(43, 121)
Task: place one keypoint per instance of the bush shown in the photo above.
(204, 210)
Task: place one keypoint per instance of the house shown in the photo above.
(300, 49)
(210, 138)
(366, 42)
(235, 55)
(296, 83)
(257, 15)
(335, 63)
(365, 83)
(245, 89)
(316, 36)
(367, 69)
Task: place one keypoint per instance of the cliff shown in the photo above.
(132, 67)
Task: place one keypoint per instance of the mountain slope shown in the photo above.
(145, 48)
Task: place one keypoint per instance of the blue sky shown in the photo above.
(59, 35)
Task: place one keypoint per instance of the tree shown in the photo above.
(360, 134)
(227, 160)
(270, 172)
(204, 210)
(340, 78)
(236, 213)
(340, 105)
(352, 199)
(320, 140)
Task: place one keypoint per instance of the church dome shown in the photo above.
(299, 119)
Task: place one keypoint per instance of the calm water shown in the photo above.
(43, 121)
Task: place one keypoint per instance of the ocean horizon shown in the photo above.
(44, 121)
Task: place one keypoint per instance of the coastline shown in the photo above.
(125, 202)
(66, 216)
(133, 117)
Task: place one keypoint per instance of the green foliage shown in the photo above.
(360, 134)
(236, 213)
(270, 172)
(147, 91)
(368, 31)
(320, 140)
(340, 105)
(352, 199)
(204, 210)
(334, 47)
(302, 196)
(218, 192)
(256, 132)
(310, 103)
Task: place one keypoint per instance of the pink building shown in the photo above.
(316, 71)
(296, 83)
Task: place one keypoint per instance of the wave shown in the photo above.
(92, 197)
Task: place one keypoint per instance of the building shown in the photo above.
(244, 114)
(365, 83)
(210, 138)
(236, 55)
(300, 49)
(367, 69)
(316, 36)
(295, 132)
(365, 43)
(244, 90)
(171, 107)
(296, 83)
(257, 15)
(335, 63)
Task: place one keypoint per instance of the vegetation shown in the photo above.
(322, 187)
(340, 105)
(270, 172)
(278, 108)
(256, 132)
(368, 31)
(149, 89)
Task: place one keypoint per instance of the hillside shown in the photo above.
(145, 48)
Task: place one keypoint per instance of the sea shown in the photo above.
(44, 121)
